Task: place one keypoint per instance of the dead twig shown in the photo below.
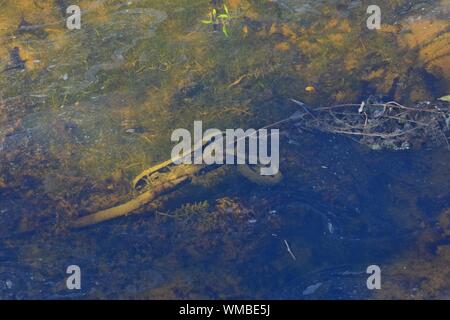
(288, 248)
(381, 125)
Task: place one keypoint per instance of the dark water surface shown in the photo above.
(82, 112)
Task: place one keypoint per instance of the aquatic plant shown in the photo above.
(188, 209)
(222, 19)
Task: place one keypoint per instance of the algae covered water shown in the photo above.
(90, 99)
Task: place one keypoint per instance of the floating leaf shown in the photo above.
(207, 21)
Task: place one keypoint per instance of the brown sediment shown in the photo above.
(422, 273)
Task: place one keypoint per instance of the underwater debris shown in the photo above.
(380, 125)
(16, 62)
(164, 178)
(157, 180)
(288, 248)
(130, 206)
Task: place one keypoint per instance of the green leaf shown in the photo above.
(223, 16)
(207, 21)
(224, 29)
(225, 8)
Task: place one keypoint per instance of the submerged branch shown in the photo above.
(130, 206)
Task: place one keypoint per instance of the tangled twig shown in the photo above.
(382, 125)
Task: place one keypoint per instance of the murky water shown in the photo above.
(83, 112)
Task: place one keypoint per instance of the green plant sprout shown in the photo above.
(219, 19)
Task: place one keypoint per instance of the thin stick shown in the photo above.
(235, 83)
(289, 250)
